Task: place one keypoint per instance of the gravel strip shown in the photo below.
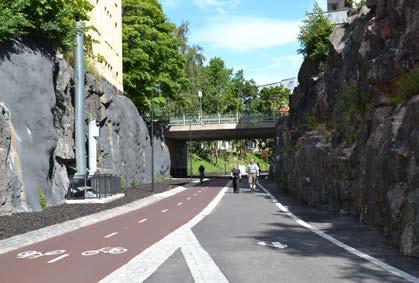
(20, 223)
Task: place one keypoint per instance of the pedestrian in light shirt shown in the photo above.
(252, 174)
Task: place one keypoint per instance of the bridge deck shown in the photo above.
(222, 128)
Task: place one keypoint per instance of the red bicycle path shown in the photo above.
(135, 237)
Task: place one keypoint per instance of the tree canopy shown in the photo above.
(51, 20)
(272, 99)
(151, 56)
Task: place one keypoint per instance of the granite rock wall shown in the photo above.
(37, 129)
(351, 143)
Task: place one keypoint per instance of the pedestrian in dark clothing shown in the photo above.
(236, 175)
(201, 173)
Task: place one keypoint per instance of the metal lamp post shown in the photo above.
(152, 145)
(80, 140)
(200, 102)
(190, 147)
(158, 91)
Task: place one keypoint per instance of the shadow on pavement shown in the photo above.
(366, 238)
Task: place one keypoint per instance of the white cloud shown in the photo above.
(247, 33)
(170, 3)
(221, 6)
(276, 69)
(281, 62)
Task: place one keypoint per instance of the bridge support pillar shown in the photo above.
(178, 158)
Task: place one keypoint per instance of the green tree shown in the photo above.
(271, 99)
(314, 35)
(217, 80)
(151, 55)
(50, 20)
(193, 66)
(249, 97)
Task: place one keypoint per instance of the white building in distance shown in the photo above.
(337, 10)
(290, 83)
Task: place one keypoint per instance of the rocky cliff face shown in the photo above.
(351, 143)
(37, 129)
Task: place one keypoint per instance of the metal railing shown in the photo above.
(104, 185)
(220, 119)
(96, 186)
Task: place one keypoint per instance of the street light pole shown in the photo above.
(158, 91)
(152, 145)
(190, 148)
(200, 102)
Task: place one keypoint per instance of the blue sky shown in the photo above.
(258, 36)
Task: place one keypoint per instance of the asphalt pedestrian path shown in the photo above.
(251, 240)
(346, 228)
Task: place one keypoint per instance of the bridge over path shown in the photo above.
(213, 127)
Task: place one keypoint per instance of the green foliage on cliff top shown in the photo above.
(314, 35)
(51, 20)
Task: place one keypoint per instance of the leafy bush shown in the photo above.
(123, 184)
(135, 184)
(51, 20)
(314, 35)
(319, 126)
(42, 200)
(357, 102)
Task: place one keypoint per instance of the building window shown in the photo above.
(332, 7)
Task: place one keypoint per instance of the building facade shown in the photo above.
(287, 83)
(336, 5)
(106, 18)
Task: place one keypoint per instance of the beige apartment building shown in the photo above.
(106, 17)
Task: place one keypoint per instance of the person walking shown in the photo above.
(252, 174)
(201, 173)
(237, 176)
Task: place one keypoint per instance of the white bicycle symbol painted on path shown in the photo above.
(36, 254)
(105, 250)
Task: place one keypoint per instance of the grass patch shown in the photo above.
(319, 126)
(357, 102)
(222, 165)
(408, 83)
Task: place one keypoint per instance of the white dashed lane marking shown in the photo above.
(163, 211)
(58, 258)
(143, 220)
(194, 195)
(188, 198)
(179, 203)
(110, 235)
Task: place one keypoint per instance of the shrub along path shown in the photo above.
(20, 223)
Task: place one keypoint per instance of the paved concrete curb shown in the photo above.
(45, 233)
(94, 200)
